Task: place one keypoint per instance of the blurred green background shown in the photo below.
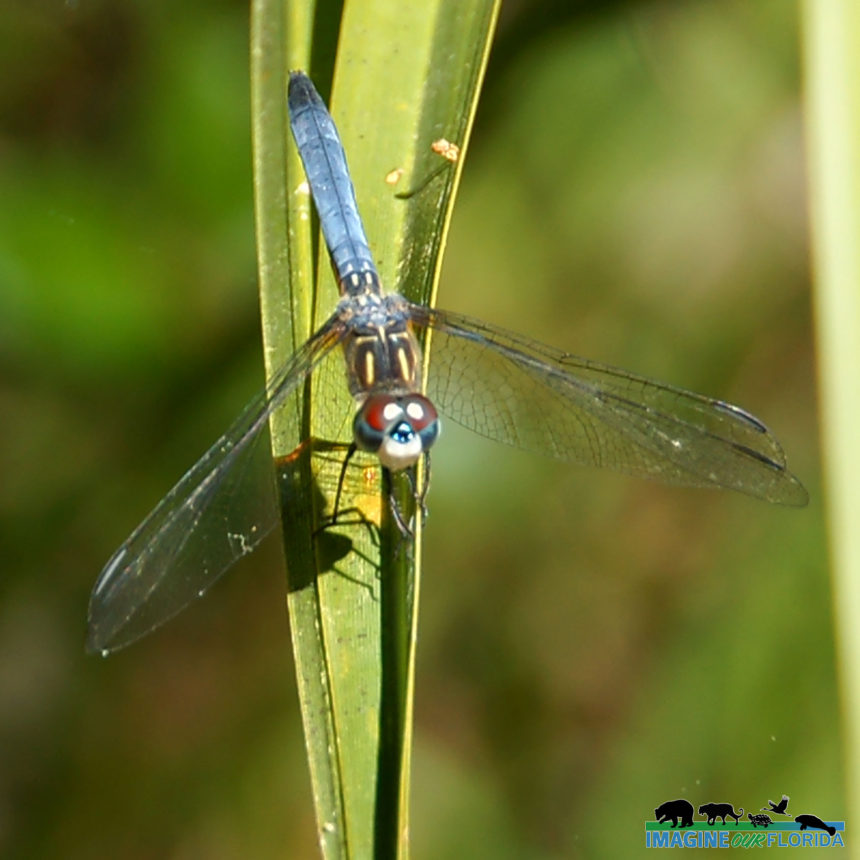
(590, 645)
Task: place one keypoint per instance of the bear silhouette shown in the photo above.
(815, 822)
(759, 820)
(720, 810)
(675, 810)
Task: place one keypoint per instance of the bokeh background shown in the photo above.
(590, 645)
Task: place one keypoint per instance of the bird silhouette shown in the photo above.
(778, 808)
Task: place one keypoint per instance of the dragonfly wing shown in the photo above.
(532, 396)
(219, 511)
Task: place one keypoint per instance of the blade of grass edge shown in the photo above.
(280, 30)
(831, 33)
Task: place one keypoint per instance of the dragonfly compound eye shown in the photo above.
(423, 418)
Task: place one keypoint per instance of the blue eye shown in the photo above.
(367, 438)
(429, 434)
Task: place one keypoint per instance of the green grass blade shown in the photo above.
(832, 36)
(406, 75)
(420, 87)
(286, 270)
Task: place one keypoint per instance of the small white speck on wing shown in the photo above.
(237, 538)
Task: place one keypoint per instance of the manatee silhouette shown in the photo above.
(814, 822)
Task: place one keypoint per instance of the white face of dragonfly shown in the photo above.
(397, 429)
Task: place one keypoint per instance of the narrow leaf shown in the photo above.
(406, 75)
(832, 36)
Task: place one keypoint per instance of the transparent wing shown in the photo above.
(522, 393)
(218, 512)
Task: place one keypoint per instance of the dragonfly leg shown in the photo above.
(421, 498)
(337, 513)
(400, 520)
(406, 525)
(405, 195)
(349, 454)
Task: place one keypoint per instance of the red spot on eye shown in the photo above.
(374, 411)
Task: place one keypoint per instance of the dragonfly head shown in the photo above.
(398, 429)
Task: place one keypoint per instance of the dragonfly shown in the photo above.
(497, 383)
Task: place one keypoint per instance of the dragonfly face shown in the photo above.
(398, 429)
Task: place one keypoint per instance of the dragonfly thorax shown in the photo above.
(380, 349)
(397, 428)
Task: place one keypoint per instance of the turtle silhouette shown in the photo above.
(778, 808)
(814, 822)
(759, 820)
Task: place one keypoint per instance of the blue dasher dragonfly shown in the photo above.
(499, 384)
